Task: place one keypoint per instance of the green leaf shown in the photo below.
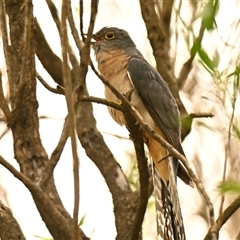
(237, 131)
(82, 221)
(37, 236)
(206, 60)
(186, 121)
(235, 73)
(208, 15)
(229, 187)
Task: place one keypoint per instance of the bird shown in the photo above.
(124, 67)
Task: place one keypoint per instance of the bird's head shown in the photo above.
(111, 38)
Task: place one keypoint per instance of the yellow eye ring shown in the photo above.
(110, 35)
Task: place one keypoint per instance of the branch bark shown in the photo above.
(9, 227)
(227, 213)
(28, 148)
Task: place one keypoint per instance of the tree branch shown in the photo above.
(222, 219)
(165, 16)
(136, 136)
(52, 63)
(101, 101)
(164, 143)
(40, 196)
(54, 13)
(71, 115)
(187, 66)
(73, 28)
(4, 36)
(124, 200)
(3, 102)
(9, 227)
(56, 154)
(28, 148)
(57, 90)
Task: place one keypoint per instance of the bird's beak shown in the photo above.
(96, 38)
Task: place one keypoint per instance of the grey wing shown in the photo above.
(157, 98)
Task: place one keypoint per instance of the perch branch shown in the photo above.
(101, 101)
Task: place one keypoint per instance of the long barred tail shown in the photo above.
(169, 218)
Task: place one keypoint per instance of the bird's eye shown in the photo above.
(109, 35)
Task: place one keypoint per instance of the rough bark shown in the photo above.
(9, 227)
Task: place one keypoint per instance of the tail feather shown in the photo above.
(169, 218)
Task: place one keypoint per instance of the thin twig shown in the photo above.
(56, 154)
(101, 101)
(163, 158)
(73, 28)
(5, 40)
(222, 219)
(228, 147)
(187, 66)
(5, 131)
(201, 115)
(164, 143)
(57, 90)
(71, 115)
(81, 19)
(54, 13)
(184, 161)
(23, 178)
(3, 103)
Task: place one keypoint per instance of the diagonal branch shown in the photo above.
(222, 219)
(164, 143)
(41, 197)
(54, 13)
(57, 90)
(52, 63)
(56, 154)
(187, 66)
(73, 28)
